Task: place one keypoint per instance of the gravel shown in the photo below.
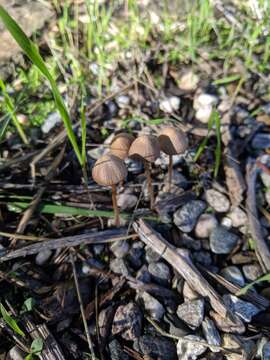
(157, 347)
(217, 201)
(170, 105)
(120, 248)
(160, 273)
(206, 223)
(127, 321)
(238, 217)
(252, 272)
(189, 350)
(152, 306)
(222, 241)
(127, 201)
(192, 312)
(234, 275)
(242, 308)
(186, 217)
(211, 333)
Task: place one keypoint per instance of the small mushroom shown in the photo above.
(172, 141)
(146, 149)
(109, 170)
(120, 145)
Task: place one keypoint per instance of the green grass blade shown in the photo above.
(11, 110)
(4, 126)
(33, 54)
(243, 291)
(205, 140)
(227, 80)
(10, 321)
(83, 129)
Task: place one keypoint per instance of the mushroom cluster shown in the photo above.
(110, 169)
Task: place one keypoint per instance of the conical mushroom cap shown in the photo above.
(173, 141)
(109, 170)
(145, 147)
(120, 145)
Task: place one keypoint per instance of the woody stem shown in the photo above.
(149, 184)
(170, 169)
(115, 207)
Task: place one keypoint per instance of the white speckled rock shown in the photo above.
(189, 350)
(170, 105)
(191, 312)
(217, 201)
(238, 217)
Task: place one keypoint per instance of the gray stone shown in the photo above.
(151, 255)
(252, 272)
(143, 275)
(206, 223)
(118, 266)
(188, 242)
(188, 81)
(211, 333)
(160, 273)
(226, 325)
(177, 327)
(238, 217)
(246, 347)
(234, 275)
(170, 105)
(134, 256)
(192, 312)
(127, 201)
(120, 248)
(32, 16)
(222, 241)
(43, 256)
(226, 222)
(177, 179)
(127, 321)
(189, 293)
(261, 141)
(52, 120)
(190, 350)
(202, 257)
(122, 101)
(134, 167)
(105, 319)
(243, 309)
(266, 351)
(186, 217)
(217, 200)
(152, 306)
(156, 347)
(116, 351)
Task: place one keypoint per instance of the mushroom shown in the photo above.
(172, 141)
(109, 170)
(120, 145)
(146, 149)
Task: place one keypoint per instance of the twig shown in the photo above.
(69, 241)
(90, 344)
(180, 261)
(195, 342)
(261, 248)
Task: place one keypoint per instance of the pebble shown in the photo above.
(265, 178)
(189, 293)
(134, 167)
(186, 217)
(116, 351)
(127, 321)
(43, 256)
(122, 101)
(144, 275)
(217, 200)
(211, 333)
(52, 120)
(189, 350)
(160, 273)
(151, 255)
(203, 104)
(226, 222)
(118, 266)
(252, 272)
(235, 342)
(127, 201)
(105, 319)
(242, 308)
(238, 217)
(177, 327)
(192, 312)
(170, 105)
(156, 347)
(226, 325)
(135, 254)
(152, 306)
(177, 179)
(188, 81)
(234, 275)
(266, 351)
(206, 223)
(188, 242)
(261, 141)
(222, 241)
(120, 248)
(202, 257)
(203, 114)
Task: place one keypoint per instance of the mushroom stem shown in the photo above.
(115, 207)
(170, 169)
(149, 184)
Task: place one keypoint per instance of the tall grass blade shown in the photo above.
(33, 54)
(11, 110)
(205, 140)
(10, 321)
(4, 126)
(243, 291)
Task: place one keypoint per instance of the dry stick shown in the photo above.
(194, 342)
(99, 237)
(34, 203)
(261, 249)
(90, 344)
(149, 183)
(170, 169)
(180, 261)
(115, 207)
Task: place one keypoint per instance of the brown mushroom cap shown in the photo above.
(109, 170)
(173, 141)
(145, 147)
(120, 145)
